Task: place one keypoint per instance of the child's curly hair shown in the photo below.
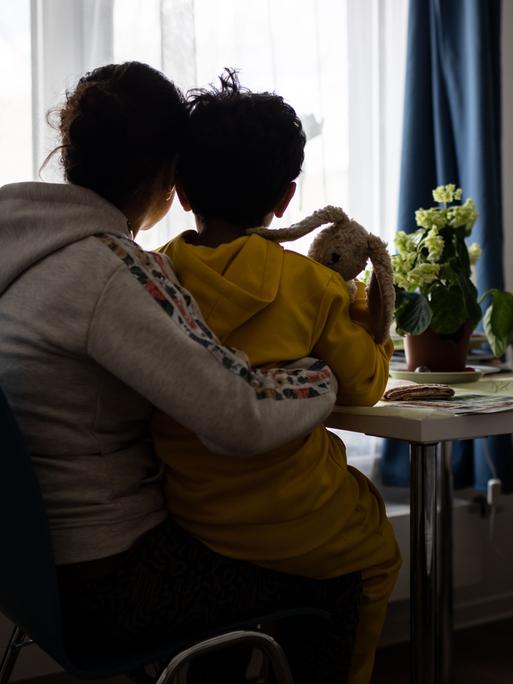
(240, 153)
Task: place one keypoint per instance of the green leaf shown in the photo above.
(470, 296)
(449, 310)
(413, 316)
(488, 293)
(498, 321)
(462, 253)
(400, 296)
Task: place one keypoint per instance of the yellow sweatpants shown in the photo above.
(378, 581)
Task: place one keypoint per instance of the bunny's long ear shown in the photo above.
(382, 268)
(328, 214)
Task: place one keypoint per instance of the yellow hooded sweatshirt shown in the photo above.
(298, 509)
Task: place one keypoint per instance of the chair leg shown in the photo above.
(260, 640)
(16, 642)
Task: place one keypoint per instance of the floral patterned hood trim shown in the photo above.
(155, 274)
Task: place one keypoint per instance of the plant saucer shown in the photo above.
(445, 378)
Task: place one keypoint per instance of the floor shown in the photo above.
(481, 655)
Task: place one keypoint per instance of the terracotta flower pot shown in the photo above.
(438, 352)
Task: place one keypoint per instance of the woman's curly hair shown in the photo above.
(118, 127)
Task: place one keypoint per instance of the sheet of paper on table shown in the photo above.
(462, 404)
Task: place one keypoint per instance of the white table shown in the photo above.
(430, 433)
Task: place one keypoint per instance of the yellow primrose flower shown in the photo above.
(464, 215)
(446, 193)
(427, 218)
(403, 262)
(401, 280)
(474, 253)
(424, 274)
(401, 266)
(404, 242)
(435, 244)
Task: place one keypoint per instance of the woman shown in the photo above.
(94, 332)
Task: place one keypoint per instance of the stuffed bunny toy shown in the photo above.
(345, 246)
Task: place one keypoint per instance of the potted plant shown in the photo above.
(437, 305)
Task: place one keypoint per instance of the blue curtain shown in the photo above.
(452, 134)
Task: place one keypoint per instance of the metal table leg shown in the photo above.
(431, 563)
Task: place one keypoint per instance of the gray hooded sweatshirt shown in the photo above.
(95, 332)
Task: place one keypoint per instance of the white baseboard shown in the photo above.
(468, 552)
(466, 614)
(481, 610)
(483, 581)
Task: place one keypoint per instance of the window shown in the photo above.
(339, 63)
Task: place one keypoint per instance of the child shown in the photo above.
(299, 509)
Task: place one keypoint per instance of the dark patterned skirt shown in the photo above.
(171, 587)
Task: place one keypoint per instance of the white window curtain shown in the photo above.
(67, 39)
(340, 63)
(15, 93)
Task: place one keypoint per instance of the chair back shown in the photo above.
(28, 581)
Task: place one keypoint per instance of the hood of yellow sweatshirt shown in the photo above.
(232, 282)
